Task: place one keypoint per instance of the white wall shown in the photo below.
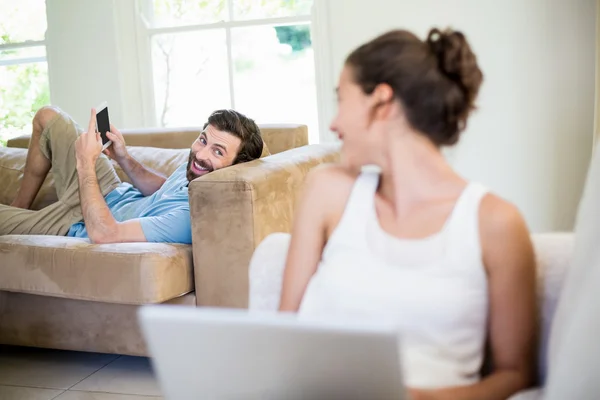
(597, 104)
(92, 57)
(531, 139)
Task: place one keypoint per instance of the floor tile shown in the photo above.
(73, 395)
(127, 375)
(51, 369)
(25, 393)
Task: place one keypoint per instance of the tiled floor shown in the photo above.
(37, 374)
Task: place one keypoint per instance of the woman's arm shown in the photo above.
(321, 202)
(510, 263)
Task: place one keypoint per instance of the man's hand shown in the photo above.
(146, 181)
(88, 146)
(117, 150)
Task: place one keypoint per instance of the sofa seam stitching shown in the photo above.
(85, 298)
(12, 169)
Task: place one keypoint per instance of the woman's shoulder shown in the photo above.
(329, 186)
(504, 233)
(332, 178)
(497, 215)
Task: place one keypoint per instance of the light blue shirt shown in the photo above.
(164, 215)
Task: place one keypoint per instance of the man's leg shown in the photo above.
(36, 164)
(57, 144)
(56, 219)
(54, 145)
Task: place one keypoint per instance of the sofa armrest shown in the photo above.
(235, 208)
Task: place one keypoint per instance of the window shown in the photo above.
(255, 56)
(23, 68)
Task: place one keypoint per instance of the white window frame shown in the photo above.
(145, 32)
(19, 46)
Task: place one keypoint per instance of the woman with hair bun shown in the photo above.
(415, 243)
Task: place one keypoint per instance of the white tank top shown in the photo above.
(434, 289)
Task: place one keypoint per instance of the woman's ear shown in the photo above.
(383, 99)
(383, 93)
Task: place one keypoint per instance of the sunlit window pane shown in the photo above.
(23, 89)
(272, 70)
(190, 76)
(24, 72)
(22, 20)
(188, 12)
(258, 9)
(274, 75)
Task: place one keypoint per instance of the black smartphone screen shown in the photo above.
(103, 124)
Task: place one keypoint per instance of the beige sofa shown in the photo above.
(67, 293)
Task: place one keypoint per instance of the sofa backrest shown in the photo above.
(277, 137)
(162, 160)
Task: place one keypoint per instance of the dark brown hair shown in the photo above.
(436, 80)
(244, 128)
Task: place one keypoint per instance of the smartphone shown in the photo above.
(103, 124)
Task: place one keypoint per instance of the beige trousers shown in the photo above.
(57, 143)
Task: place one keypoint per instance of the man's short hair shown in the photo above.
(239, 125)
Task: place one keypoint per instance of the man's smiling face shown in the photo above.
(214, 149)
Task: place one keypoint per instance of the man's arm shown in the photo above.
(145, 180)
(100, 224)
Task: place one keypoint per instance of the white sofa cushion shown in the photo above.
(266, 272)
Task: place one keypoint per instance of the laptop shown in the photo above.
(235, 354)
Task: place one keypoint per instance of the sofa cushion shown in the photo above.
(163, 161)
(12, 163)
(125, 273)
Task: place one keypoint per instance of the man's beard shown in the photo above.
(191, 175)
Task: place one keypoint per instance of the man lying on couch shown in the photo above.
(93, 202)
